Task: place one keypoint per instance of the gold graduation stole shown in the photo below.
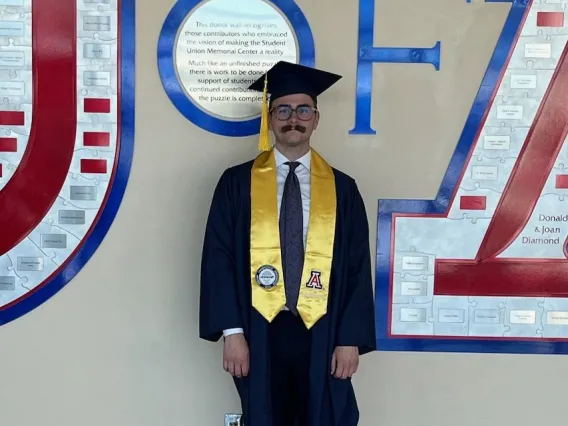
(267, 278)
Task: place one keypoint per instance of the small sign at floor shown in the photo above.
(233, 420)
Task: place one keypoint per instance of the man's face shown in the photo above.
(293, 118)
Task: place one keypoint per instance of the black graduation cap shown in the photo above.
(287, 78)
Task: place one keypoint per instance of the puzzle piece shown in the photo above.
(82, 193)
(412, 319)
(97, 108)
(528, 83)
(26, 114)
(11, 159)
(488, 173)
(555, 317)
(101, 6)
(477, 204)
(16, 78)
(73, 215)
(62, 229)
(101, 137)
(55, 242)
(413, 289)
(413, 262)
(519, 112)
(560, 3)
(426, 232)
(6, 172)
(523, 316)
(12, 284)
(450, 316)
(92, 165)
(16, 56)
(538, 47)
(501, 142)
(486, 316)
(30, 264)
(543, 20)
(93, 51)
(16, 24)
(6, 266)
(98, 25)
(15, 6)
(558, 196)
(556, 184)
(481, 220)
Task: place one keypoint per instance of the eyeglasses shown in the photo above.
(303, 112)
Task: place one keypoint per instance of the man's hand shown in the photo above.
(345, 361)
(236, 355)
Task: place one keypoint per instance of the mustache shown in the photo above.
(289, 127)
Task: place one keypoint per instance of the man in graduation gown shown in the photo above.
(286, 268)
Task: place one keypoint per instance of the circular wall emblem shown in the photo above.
(210, 51)
(66, 142)
(267, 276)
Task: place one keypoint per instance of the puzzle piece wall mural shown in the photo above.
(66, 139)
(484, 266)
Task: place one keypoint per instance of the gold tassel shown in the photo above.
(264, 140)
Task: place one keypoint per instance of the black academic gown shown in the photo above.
(225, 299)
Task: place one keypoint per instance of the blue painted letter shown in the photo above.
(368, 54)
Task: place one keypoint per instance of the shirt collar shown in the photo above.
(304, 161)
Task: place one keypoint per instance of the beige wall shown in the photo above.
(118, 346)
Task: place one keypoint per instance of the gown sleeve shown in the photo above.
(357, 324)
(218, 304)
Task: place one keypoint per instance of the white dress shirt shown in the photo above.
(303, 173)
